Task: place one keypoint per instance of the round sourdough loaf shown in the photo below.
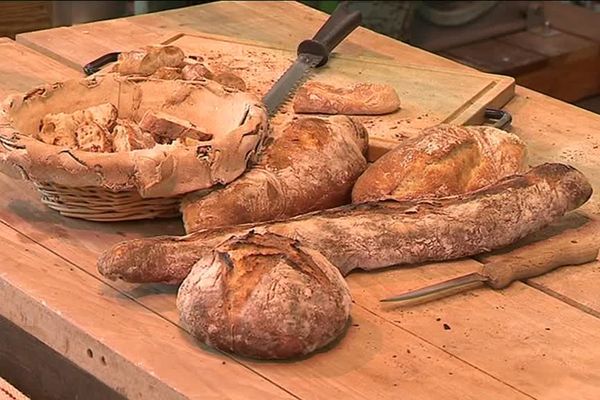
(234, 126)
(444, 160)
(264, 296)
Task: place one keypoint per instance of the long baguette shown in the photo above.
(380, 234)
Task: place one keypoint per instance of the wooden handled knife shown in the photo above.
(571, 246)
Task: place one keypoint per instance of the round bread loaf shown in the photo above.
(444, 160)
(264, 296)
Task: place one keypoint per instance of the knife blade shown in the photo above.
(572, 246)
(311, 54)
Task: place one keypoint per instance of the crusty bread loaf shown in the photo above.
(147, 61)
(380, 234)
(358, 99)
(264, 296)
(311, 165)
(444, 160)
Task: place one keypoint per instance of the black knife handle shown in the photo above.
(100, 62)
(339, 25)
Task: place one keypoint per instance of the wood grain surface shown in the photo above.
(522, 342)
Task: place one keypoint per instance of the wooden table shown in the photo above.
(537, 339)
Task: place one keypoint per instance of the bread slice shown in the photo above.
(166, 128)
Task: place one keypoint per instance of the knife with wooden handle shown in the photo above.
(571, 246)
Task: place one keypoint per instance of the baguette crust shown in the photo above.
(444, 160)
(312, 165)
(380, 234)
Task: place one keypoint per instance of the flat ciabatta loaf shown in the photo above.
(311, 165)
(357, 99)
(264, 296)
(444, 160)
(380, 234)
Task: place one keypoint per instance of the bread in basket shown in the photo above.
(143, 183)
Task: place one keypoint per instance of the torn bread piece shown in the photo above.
(358, 99)
(196, 71)
(148, 60)
(166, 128)
(93, 137)
(167, 73)
(127, 136)
(60, 129)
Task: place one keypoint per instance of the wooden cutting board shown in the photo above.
(429, 96)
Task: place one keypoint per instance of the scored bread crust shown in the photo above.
(311, 165)
(264, 296)
(444, 160)
(357, 99)
(380, 234)
(237, 120)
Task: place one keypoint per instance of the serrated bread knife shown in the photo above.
(313, 53)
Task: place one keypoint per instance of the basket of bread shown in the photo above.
(129, 143)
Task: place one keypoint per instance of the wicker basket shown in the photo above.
(140, 184)
(97, 204)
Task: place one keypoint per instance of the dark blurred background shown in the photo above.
(549, 46)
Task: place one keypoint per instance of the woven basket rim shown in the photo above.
(169, 165)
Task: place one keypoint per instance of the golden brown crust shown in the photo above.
(236, 296)
(443, 161)
(311, 165)
(230, 80)
(358, 99)
(196, 71)
(167, 73)
(165, 170)
(381, 234)
(148, 60)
